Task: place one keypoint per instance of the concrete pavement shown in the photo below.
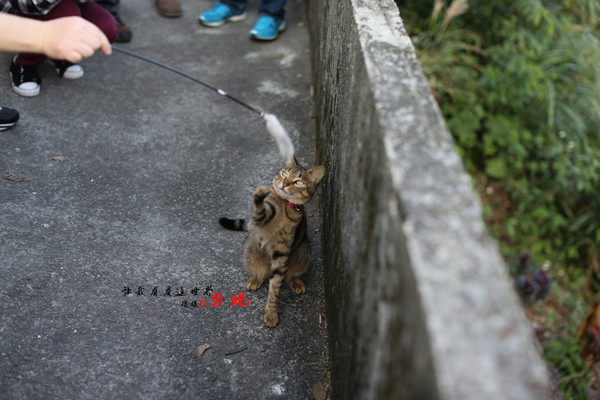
(128, 171)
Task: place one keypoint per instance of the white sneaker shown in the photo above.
(25, 80)
(67, 70)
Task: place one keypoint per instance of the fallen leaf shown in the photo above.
(16, 177)
(201, 349)
(58, 158)
(319, 391)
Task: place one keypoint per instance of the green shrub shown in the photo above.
(518, 83)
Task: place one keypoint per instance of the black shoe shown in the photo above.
(8, 118)
(124, 30)
(25, 80)
(66, 69)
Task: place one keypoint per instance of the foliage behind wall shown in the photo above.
(517, 81)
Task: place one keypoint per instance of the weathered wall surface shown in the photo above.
(420, 305)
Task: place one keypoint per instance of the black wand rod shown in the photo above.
(219, 91)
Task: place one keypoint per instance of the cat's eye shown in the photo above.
(299, 183)
(284, 174)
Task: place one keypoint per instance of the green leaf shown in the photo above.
(496, 168)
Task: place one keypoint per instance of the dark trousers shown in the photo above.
(274, 8)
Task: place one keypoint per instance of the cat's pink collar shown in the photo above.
(294, 206)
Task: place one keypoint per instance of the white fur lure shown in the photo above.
(286, 147)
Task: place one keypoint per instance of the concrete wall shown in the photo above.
(420, 305)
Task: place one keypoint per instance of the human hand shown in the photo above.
(71, 39)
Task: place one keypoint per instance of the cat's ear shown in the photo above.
(292, 162)
(317, 173)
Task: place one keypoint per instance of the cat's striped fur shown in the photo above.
(277, 247)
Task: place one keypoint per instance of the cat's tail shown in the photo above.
(234, 224)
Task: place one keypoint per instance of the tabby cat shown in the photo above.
(277, 246)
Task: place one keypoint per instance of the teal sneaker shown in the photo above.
(267, 28)
(218, 15)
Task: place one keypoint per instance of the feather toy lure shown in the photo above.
(274, 127)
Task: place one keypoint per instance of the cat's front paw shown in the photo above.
(271, 319)
(297, 286)
(260, 193)
(253, 283)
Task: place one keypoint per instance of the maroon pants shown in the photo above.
(68, 8)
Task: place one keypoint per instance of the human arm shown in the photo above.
(69, 38)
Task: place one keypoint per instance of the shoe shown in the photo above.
(67, 70)
(25, 80)
(8, 118)
(218, 15)
(125, 34)
(169, 8)
(267, 28)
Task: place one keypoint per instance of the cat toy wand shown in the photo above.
(277, 131)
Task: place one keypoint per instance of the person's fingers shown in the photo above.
(85, 51)
(73, 57)
(97, 39)
(88, 43)
(104, 43)
(73, 38)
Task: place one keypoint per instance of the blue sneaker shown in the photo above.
(267, 28)
(218, 15)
